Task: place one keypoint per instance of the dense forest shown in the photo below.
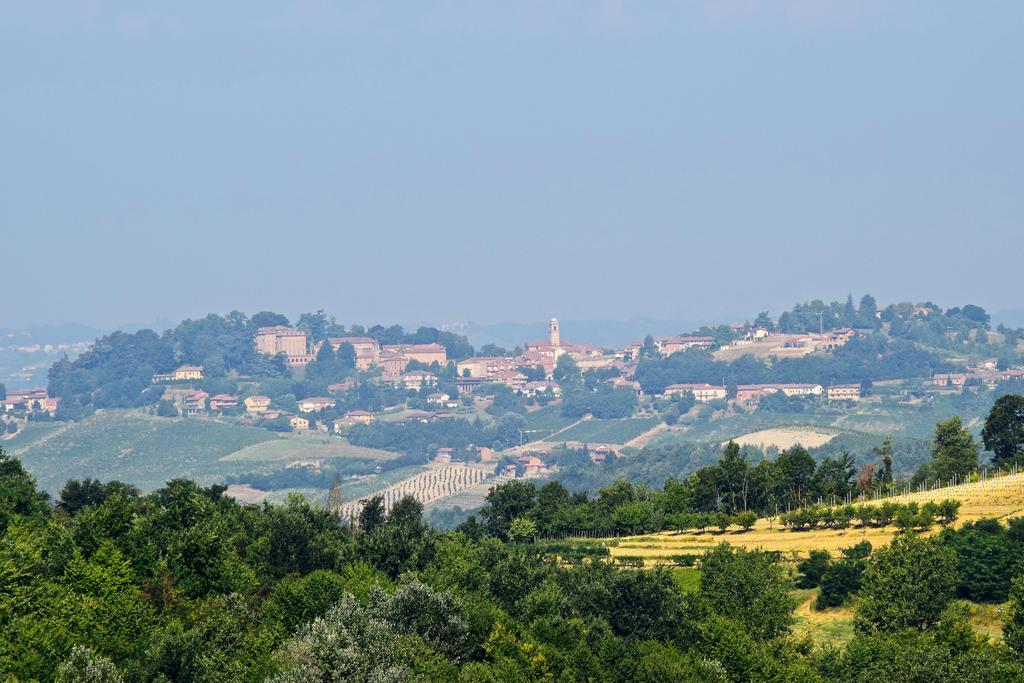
(185, 584)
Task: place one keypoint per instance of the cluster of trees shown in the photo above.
(815, 315)
(906, 516)
(185, 584)
(319, 477)
(117, 371)
(587, 392)
(415, 438)
(835, 578)
(864, 358)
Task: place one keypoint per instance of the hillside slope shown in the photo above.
(1001, 497)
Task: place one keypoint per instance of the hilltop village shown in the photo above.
(431, 396)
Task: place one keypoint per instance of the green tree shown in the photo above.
(811, 570)
(885, 454)
(566, 372)
(1003, 433)
(522, 530)
(796, 470)
(748, 586)
(954, 452)
(907, 585)
(505, 503)
(735, 480)
(1013, 629)
(18, 494)
(85, 666)
(372, 514)
(166, 408)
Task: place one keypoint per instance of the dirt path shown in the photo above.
(643, 439)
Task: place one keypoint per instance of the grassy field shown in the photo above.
(546, 421)
(299, 446)
(138, 448)
(1001, 498)
(606, 431)
(786, 437)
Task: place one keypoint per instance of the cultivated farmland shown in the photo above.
(786, 437)
(1002, 498)
(434, 483)
(606, 431)
(135, 447)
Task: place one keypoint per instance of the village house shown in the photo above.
(669, 345)
(361, 416)
(800, 389)
(702, 393)
(185, 373)
(298, 423)
(531, 465)
(837, 338)
(194, 403)
(466, 385)
(188, 372)
(416, 380)
(343, 424)
(484, 453)
(443, 455)
(284, 340)
(514, 380)
(30, 400)
(949, 380)
(623, 383)
(844, 392)
(222, 401)
(509, 471)
(315, 404)
(599, 454)
(484, 366)
(421, 353)
(438, 398)
(1006, 375)
(340, 387)
(750, 393)
(392, 364)
(257, 404)
(367, 350)
(533, 389)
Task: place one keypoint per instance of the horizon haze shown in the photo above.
(505, 163)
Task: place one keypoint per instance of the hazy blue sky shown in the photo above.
(502, 161)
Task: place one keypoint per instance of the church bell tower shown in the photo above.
(554, 337)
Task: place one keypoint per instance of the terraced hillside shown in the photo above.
(434, 483)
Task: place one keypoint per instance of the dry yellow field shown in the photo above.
(1001, 498)
(786, 437)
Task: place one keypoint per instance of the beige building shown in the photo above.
(287, 340)
(360, 416)
(844, 392)
(421, 353)
(316, 403)
(702, 393)
(298, 423)
(800, 389)
(367, 350)
(257, 404)
(188, 372)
